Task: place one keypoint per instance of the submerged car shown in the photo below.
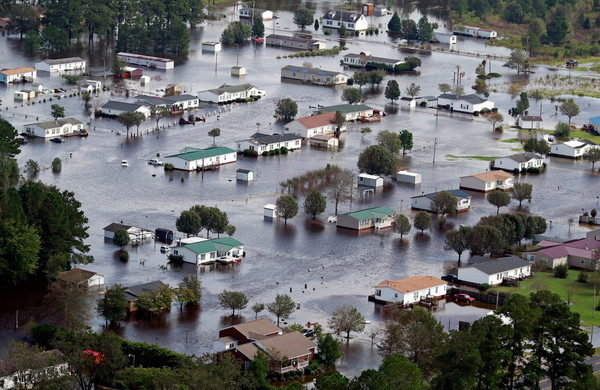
(464, 298)
(124, 163)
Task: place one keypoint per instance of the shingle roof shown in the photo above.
(291, 39)
(122, 106)
(472, 98)
(57, 123)
(222, 244)
(288, 345)
(491, 176)
(249, 350)
(531, 118)
(179, 98)
(459, 194)
(75, 275)
(494, 266)
(231, 88)
(581, 248)
(272, 138)
(317, 71)
(10, 72)
(310, 122)
(193, 154)
(375, 212)
(414, 283)
(371, 58)
(253, 329)
(68, 60)
(524, 157)
(113, 227)
(345, 108)
(135, 291)
(346, 16)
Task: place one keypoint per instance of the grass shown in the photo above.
(452, 157)
(581, 301)
(511, 140)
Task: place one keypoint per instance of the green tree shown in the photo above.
(286, 207)
(127, 119)
(189, 222)
(569, 109)
(73, 304)
(346, 318)
(400, 373)
(484, 239)
(258, 27)
(389, 140)
(534, 225)
(317, 24)
(364, 131)
(406, 140)
(557, 29)
(257, 308)
(32, 167)
(341, 187)
(286, 109)
(401, 225)
(329, 349)
(54, 39)
(410, 31)
(457, 240)
(521, 191)
(154, 301)
(490, 335)
(121, 238)
(209, 216)
(522, 103)
(23, 18)
(113, 305)
(236, 32)
(444, 202)
(444, 87)
(395, 24)
(189, 291)
(376, 77)
(32, 41)
(343, 31)
(494, 117)
(376, 160)
(499, 199)
(332, 380)
(422, 221)
(315, 203)
(392, 90)
(351, 95)
(535, 146)
(158, 112)
(282, 307)
(58, 111)
(233, 300)
(216, 132)
(562, 130)
(19, 248)
(413, 90)
(86, 97)
(340, 120)
(303, 17)
(425, 30)
(458, 363)
(361, 78)
(259, 366)
(593, 156)
(517, 60)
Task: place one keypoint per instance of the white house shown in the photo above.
(518, 162)
(375, 217)
(81, 277)
(488, 181)
(62, 65)
(135, 232)
(294, 42)
(408, 102)
(149, 61)
(17, 75)
(441, 37)
(408, 177)
(464, 103)
(477, 32)
(114, 108)
(353, 21)
(425, 201)
(21, 95)
(213, 47)
(324, 142)
(209, 250)
(247, 12)
(594, 234)
(265, 142)
(573, 148)
(313, 75)
(95, 84)
(270, 211)
(370, 180)
(227, 93)
(56, 128)
(530, 122)
(494, 271)
(191, 159)
(313, 125)
(365, 58)
(244, 175)
(410, 290)
(352, 112)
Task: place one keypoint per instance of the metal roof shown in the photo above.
(198, 154)
(459, 194)
(57, 123)
(123, 106)
(345, 108)
(231, 88)
(317, 71)
(494, 266)
(223, 244)
(472, 98)
(375, 212)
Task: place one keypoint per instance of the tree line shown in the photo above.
(200, 217)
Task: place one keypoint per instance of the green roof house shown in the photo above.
(199, 251)
(192, 159)
(375, 217)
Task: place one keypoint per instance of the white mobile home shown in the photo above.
(353, 21)
(313, 75)
(519, 162)
(229, 93)
(370, 180)
(205, 251)
(352, 112)
(247, 12)
(56, 128)
(294, 42)
(244, 175)
(572, 149)
(465, 103)
(441, 37)
(62, 65)
(488, 181)
(366, 59)
(312, 125)
(494, 271)
(410, 290)
(324, 142)
(408, 177)
(191, 159)
(149, 61)
(376, 217)
(425, 201)
(266, 142)
(114, 108)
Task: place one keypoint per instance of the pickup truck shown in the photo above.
(155, 161)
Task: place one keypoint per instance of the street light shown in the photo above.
(103, 68)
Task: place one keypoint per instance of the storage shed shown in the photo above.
(370, 180)
(144, 80)
(163, 234)
(214, 47)
(408, 177)
(21, 95)
(244, 175)
(270, 211)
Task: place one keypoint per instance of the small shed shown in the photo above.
(380, 10)
(21, 95)
(367, 9)
(408, 102)
(214, 47)
(37, 87)
(144, 80)
(132, 73)
(408, 177)
(96, 84)
(366, 180)
(238, 71)
(324, 141)
(81, 277)
(163, 234)
(270, 211)
(244, 175)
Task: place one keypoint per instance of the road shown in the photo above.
(594, 361)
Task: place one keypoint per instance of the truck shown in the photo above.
(155, 161)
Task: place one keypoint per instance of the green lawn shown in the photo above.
(582, 301)
(511, 140)
(452, 157)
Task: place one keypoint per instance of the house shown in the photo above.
(149, 61)
(594, 234)
(519, 162)
(37, 87)
(176, 104)
(212, 47)
(265, 142)
(375, 217)
(294, 42)
(309, 126)
(410, 290)
(46, 364)
(593, 126)
(477, 32)
(408, 102)
(313, 75)
(229, 93)
(428, 101)
(353, 21)
(244, 175)
(534, 122)
(324, 142)
(408, 177)
(132, 293)
(81, 277)
(425, 201)
(573, 148)
(95, 84)
(494, 271)
(132, 73)
(226, 249)
(17, 75)
(352, 112)
(366, 60)
(114, 108)
(246, 332)
(380, 10)
(577, 253)
(441, 37)
(270, 211)
(488, 181)
(247, 12)
(136, 233)
(191, 159)
(62, 65)
(21, 95)
(373, 181)
(55, 128)
(465, 103)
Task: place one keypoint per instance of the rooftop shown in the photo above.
(135, 291)
(371, 58)
(472, 98)
(524, 157)
(319, 120)
(113, 227)
(266, 139)
(494, 266)
(414, 283)
(583, 248)
(57, 123)
(75, 275)
(192, 154)
(459, 194)
(123, 106)
(292, 39)
(345, 108)
(346, 16)
(222, 244)
(225, 88)
(491, 176)
(288, 345)
(374, 212)
(262, 327)
(316, 71)
(68, 60)
(10, 72)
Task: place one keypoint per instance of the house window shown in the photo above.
(416, 295)
(396, 295)
(582, 261)
(175, 252)
(378, 292)
(436, 290)
(530, 257)
(203, 256)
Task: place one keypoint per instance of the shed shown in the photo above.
(238, 71)
(408, 102)
(163, 234)
(408, 177)
(38, 87)
(81, 277)
(370, 180)
(270, 210)
(324, 142)
(132, 73)
(144, 80)
(20, 95)
(244, 175)
(214, 47)
(367, 9)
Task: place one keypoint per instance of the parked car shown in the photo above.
(450, 278)
(155, 161)
(464, 298)
(57, 140)
(124, 163)
(165, 248)
(308, 332)
(22, 140)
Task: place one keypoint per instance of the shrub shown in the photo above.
(593, 213)
(523, 170)
(276, 152)
(516, 171)
(327, 32)
(284, 150)
(483, 287)
(176, 259)
(533, 170)
(475, 113)
(271, 152)
(582, 277)
(168, 167)
(265, 153)
(124, 256)
(561, 271)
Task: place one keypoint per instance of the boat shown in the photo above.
(124, 163)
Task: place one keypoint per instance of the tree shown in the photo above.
(458, 90)
(457, 240)
(236, 32)
(392, 90)
(364, 131)
(444, 202)
(390, 141)
(23, 17)
(346, 318)
(332, 380)
(127, 119)
(376, 77)
(343, 31)
(257, 308)
(413, 90)
(422, 221)
(121, 238)
(32, 167)
(517, 60)
(32, 41)
(315, 203)
(593, 156)
(557, 29)
(286, 207)
(484, 239)
(86, 97)
(72, 302)
(499, 199)
(233, 300)
(494, 117)
(216, 132)
(340, 120)
(282, 307)
(351, 95)
(341, 187)
(521, 191)
(189, 291)
(376, 160)
(406, 140)
(317, 24)
(569, 108)
(58, 111)
(286, 109)
(20, 245)
(400, 373)
(210, 218)
(395, 24)
(158, 112)
(303, 17)
(409, 30)
(444, 87)
(189, 223)
(562, 130)
(258, 27)
(360, 78)
(535, 146)
(425, 30)
(329, 349)
(401, 224)
(113, 306)
(522, 103)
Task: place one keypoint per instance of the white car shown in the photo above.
(165, 248)
(155, 161)
(124, 163)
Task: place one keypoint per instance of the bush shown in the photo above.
(593, 213)
(176, 259)
(271, 152)
(327, 32)
(265, 153)
(475, 113)
(43, 334)
(124, 256)
(284, 150)
(168, 167)
(533, 170)
(483, 287)
(516, 171)
(583, 277)
(561, 271)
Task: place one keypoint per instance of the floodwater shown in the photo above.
(336, 266)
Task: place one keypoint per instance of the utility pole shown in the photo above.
(216, 60)
(434, 146)
(203, 165)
